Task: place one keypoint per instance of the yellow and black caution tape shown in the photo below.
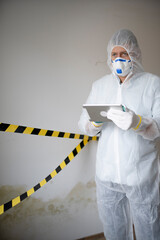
(5, 127)
(17, 200)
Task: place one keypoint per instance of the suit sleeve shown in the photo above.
(150, 127)
(85, 125)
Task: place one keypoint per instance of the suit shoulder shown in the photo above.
(148, 78)
(151, 76)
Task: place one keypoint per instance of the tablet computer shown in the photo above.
(98, 112)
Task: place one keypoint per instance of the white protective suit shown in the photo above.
(127, 166)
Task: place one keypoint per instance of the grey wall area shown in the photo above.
(50, 54)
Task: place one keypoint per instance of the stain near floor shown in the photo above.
(99, 236)
(37, 218)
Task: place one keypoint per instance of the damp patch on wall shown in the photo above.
(54, 219)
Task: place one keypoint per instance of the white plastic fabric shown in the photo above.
(129, 158)
(128, 41)
(119, 206)
(148, 129)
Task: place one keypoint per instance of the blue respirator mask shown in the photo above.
(121, 66)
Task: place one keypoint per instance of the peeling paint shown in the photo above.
(33, 213)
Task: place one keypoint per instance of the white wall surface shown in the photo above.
(50, 54)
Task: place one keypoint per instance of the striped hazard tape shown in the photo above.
(5, 127)
(68, 159)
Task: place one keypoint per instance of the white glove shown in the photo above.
(93, 128)
(124, 120)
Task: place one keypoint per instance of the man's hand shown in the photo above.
(124, 120)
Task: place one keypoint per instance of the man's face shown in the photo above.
(119, 52)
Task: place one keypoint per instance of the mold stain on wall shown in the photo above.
(36, 219)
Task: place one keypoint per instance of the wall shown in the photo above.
(50, 53)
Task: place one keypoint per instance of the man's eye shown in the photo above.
(125, 54)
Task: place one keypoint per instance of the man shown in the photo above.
(127, 166)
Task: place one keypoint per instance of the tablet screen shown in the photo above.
(98, 112)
